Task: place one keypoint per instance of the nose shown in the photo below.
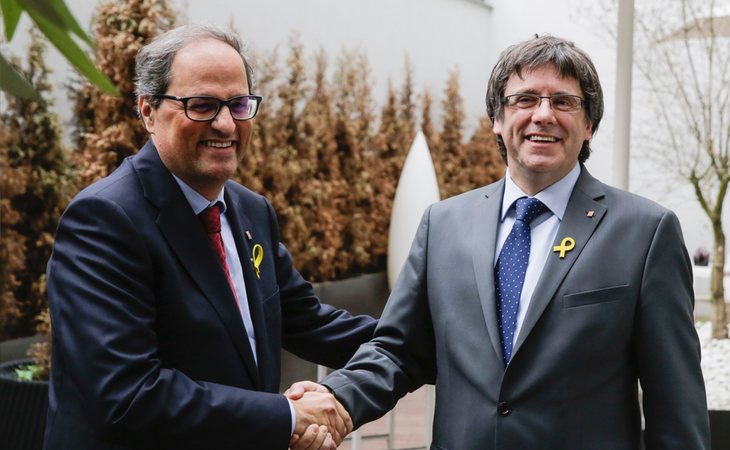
(543, 112)
(224, 121)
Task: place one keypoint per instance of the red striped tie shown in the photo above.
(211, 219)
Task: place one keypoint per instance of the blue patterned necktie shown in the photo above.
(509, 273)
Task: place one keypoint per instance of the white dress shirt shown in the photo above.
(544, 228)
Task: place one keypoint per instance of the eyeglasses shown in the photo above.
(205, 109)
(559, 102)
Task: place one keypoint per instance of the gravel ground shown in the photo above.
(715, 367)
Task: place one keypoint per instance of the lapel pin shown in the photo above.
(258, 257)
(566, 245)
(590, 213)
(248, 235)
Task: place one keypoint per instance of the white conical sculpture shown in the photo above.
(417, 189)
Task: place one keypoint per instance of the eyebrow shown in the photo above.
(214, 96)
(534, 91)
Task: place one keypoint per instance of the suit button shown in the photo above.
(503, 409)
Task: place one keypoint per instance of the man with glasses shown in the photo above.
(538, 304)
(171, 295)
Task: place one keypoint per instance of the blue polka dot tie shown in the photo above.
(509, 273)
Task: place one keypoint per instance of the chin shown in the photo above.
(219, 173)
(541, 164)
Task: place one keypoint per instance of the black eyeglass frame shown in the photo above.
(583, 103)
(221, 103)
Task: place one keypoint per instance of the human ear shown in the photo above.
(147, 113)
(497, 127)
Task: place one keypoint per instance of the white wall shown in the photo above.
(437, 35)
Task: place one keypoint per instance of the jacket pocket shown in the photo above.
(604, 295)
(272, 305)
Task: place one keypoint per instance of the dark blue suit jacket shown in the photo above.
(149, 349)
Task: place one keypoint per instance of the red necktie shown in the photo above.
(211, 219)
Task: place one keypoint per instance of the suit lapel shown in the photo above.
(187, 239)
(578, 223)
(239, 226)
(484, 237)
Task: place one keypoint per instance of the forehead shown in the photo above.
(542, 78)
(207, 66)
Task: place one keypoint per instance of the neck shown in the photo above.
(534, 185)
(534, 182)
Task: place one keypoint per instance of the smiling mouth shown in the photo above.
(217, 144)
(542, 139)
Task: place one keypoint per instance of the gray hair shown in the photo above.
(154, 60)
(537, 52)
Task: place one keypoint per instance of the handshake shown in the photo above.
(321, 421)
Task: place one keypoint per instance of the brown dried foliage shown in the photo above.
(40, 352)
(318, 152)
(461, 167)
(108, 129)
(32, 195)
(331, 173)
(480, 160)
(36, 184)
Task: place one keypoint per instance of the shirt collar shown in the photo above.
(555, 196)
(197, 201)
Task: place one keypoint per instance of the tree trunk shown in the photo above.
(717, 289)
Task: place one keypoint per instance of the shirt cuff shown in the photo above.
(293, 416)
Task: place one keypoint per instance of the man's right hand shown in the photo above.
(321, 409)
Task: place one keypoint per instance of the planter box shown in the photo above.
(364, 294)
(720, 429)
(23, 406)
(15, 349)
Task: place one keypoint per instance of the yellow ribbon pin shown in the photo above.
(566, 245)
(258, 256)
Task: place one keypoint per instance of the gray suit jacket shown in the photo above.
(618, 308)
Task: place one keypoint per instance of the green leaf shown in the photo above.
(13, 82)
(57, 13)
(27, 373)
(11, 15)
(73, 53)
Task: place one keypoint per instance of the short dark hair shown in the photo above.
(537, 52)
(154, 61)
